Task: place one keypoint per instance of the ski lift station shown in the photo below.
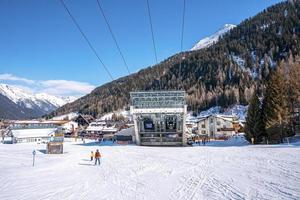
(159, 117)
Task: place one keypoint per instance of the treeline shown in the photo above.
(270, 116)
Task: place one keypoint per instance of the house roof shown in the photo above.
(224, 117)
(86, 118)
(126, 132)
(57, 122)
(32, 133)
(109, 129)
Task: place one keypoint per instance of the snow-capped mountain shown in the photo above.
(55, 100)
(35, 104)
(208, 41)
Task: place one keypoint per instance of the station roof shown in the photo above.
(158, 99)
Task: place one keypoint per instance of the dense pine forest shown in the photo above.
(226, 73)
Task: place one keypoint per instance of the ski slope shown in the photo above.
(218, 171)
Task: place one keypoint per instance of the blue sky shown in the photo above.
(40, 44)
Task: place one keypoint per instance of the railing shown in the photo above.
(150, 139)
(162, 139)
(179, 139)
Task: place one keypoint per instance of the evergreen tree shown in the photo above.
(275, 108)
(290, 70)
(254, 124)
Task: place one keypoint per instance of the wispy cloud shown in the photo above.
(54, 87)
(65, 87)
(10, 77)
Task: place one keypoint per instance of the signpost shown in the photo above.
(33, 157)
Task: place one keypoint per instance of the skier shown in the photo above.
(92, 155)
(97, 157)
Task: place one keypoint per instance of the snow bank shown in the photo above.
(237, 110)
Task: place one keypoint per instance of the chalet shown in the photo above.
(101, 129)
(217, 126)
(81, 119)
(30, 131)
(84, 120)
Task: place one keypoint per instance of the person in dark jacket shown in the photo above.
(204, 141)
(92, 155)
(97, 157)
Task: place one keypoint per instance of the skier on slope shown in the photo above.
(97, 157)
(204, 141)
(92, 155)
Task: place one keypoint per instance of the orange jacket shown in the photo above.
(97, 155)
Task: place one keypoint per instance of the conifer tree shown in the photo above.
(291, 71)
(275, 108)
(254, 123)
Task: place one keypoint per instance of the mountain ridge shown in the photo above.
(210, 40)
(35, 105)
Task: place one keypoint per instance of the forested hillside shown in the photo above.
(223, 74)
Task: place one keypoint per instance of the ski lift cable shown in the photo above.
(91, 47)
(181, 42)
(86, 39)
(112, 35)
(182, 27)
(151, 27)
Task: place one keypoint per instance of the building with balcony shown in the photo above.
(159, 117)
(218, 126)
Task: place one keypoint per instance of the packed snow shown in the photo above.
(69, 116)
(211, 111)
(221, 170)
(241, 63)
(124, 113)
(208, 41)
(240, 111)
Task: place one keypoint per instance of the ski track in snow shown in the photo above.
(143, 173)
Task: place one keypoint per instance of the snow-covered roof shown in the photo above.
(57, 122)
(101, 126)
(201, 118)
(94, 128)
(32, 133)
(109, 129)
(226, 117)
(126, 132)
